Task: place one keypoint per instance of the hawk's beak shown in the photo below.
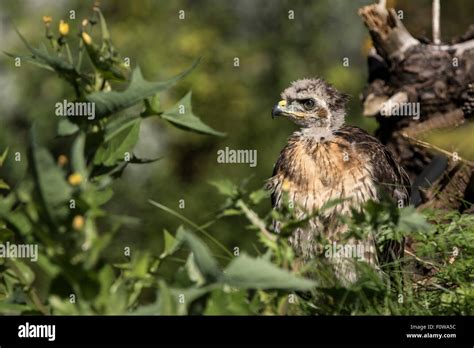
(279, 109)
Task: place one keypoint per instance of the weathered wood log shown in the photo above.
(435, 79)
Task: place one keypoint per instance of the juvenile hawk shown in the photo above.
(326, 160)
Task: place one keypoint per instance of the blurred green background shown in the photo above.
(272, 51)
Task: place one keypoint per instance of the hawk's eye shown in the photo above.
(309, 104)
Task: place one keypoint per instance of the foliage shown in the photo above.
(60, 206)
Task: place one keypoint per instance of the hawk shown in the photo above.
(326, 160)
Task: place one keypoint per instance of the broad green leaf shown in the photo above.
(107, 103)
(49, 179)
(411, 220)
(181, 116)
(95, 198)
(22, 271)
(228, 302)
(117, 142)
(20, 220)
(66, 127)
(206, 263)
(250, 273)
(13, 308)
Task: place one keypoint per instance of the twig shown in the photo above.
(421, 260)
(436, 148)
(435, 22)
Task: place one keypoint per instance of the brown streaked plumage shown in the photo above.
(326, 160)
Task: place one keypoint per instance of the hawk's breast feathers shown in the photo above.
(316, 167)
(348, 163)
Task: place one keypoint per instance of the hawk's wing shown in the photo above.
(387, 174)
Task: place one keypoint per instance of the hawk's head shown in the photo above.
(312, 103)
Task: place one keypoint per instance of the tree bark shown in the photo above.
(439, 79)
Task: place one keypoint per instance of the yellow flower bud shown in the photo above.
(47, 20)
(85, 22)
(75, 179)
(87, 39)
(62, 160)
(78, 222)
(63, 28)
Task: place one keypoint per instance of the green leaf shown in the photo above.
(136, 160)
(194, 274)
(246, 272)
(117, 142)
(4, 185)
(22, 271)
(5, 234)
(66, 127)
(49, 179)
(206, 263)
(152, 106)
(107, 103)
(62, 306)
(95, 197)
(181, 116)
(44, 58)
(171, 244)
(30, 59)
(108, 65)
(228, 302)
(103, 26)
(189, 295)
(166, 303)
(411, 220)
(225, 187)
(13, 308)
(259, 195)
(78, 162)
(169, 300)
(3, 157)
